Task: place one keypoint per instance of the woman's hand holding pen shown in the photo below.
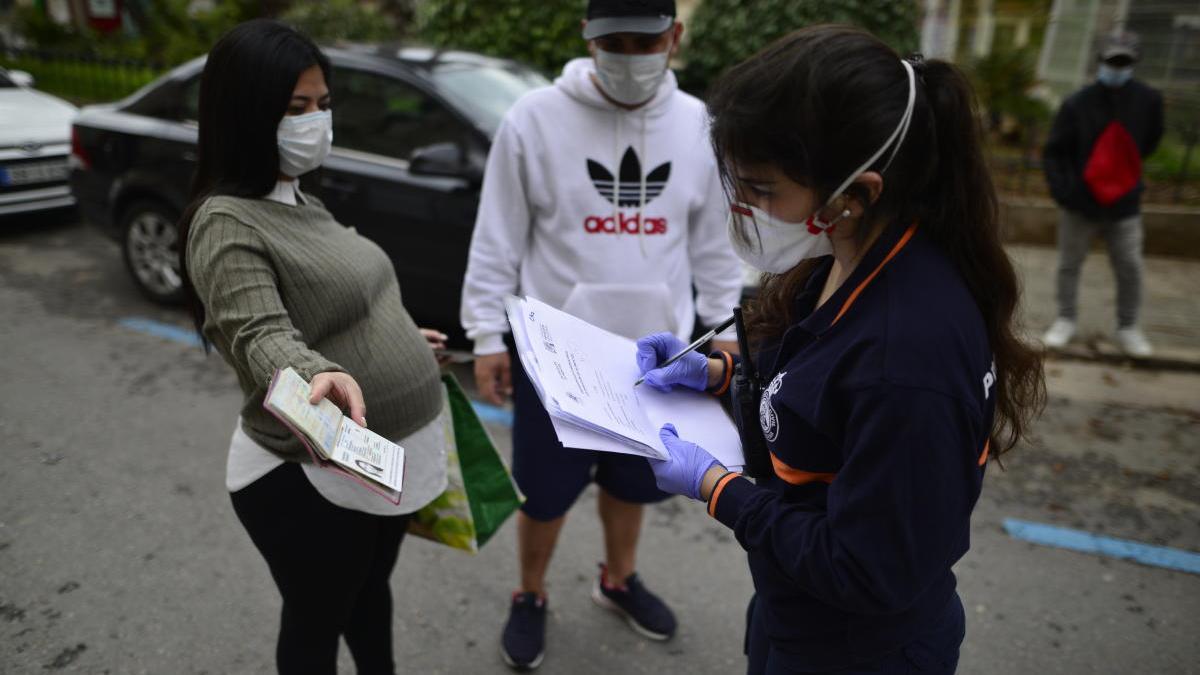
(691, 371)
(654, 349)
(343, 391)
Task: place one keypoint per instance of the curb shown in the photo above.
(1172, 231)
(1096, 351)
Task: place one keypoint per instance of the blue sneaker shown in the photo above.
(644, 611)
(523, 643)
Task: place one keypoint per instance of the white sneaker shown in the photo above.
(1059, 334)
(1133, 342)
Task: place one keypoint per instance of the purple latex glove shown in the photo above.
(683, 473)
(691, 371)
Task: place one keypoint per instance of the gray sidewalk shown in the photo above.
(120, 553)
(1170, 309)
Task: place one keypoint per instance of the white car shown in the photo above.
(35, 143)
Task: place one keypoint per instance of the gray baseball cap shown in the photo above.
(605, 17)
(1120, 44)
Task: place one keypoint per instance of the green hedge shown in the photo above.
(82, 79)
(725, 32)
(720, 33)
(544, 35)
(329, 21)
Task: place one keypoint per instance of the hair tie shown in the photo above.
(917, 61)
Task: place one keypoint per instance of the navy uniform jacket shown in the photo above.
(877, 411)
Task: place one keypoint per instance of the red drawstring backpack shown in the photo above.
(1115, 165)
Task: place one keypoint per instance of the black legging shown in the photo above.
(331, 566)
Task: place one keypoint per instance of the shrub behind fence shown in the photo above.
(81, 78)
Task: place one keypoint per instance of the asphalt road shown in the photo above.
(119, 552)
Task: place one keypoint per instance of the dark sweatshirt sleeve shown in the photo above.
(1154, 124)
(1059, 157)
(897, 513)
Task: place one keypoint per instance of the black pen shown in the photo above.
(699, 341)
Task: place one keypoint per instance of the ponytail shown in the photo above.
(961, 209)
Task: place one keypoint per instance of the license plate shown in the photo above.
(36, 172)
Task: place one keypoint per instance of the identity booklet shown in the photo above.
(335, 441)
(585, 378)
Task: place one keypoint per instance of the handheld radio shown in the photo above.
(746, 389)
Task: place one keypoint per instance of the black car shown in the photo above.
(412, 127)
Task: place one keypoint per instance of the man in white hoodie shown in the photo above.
(601, 197)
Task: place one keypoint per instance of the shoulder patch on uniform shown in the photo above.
(767, 418)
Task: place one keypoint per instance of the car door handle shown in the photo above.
(190, 156)
(342, 186)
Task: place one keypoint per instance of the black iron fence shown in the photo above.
(81, 78)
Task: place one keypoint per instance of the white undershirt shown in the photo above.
(425, 449)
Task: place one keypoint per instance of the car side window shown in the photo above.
(385, 116)
(189, 100)
(171, 100)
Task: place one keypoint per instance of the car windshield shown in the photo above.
(5, 81)
(485, 92)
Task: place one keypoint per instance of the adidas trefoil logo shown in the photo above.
(629, 186)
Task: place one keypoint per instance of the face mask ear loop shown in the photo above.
(906, 120)
(897, 136)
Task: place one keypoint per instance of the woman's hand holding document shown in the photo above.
(585, 378)
(334, 440)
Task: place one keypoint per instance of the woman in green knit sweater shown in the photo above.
(277, 282)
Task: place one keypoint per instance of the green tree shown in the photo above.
(1003, 81)
(335, 20)
(163, 31)
(542, 34)
(725, 32)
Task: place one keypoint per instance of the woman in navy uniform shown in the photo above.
(884, 334)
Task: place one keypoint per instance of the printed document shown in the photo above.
(584, 377)
(334, 440)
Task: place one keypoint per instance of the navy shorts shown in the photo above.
(552, 477)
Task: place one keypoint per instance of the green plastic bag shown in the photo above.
(480, 494)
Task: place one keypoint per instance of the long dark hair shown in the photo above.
(245, 90)
(818, 102)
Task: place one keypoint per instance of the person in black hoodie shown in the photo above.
(884, 333)
(1093, 163)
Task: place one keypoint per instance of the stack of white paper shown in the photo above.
(584, 377)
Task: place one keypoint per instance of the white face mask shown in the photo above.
(304, 141)
(631, 78)
(781, 245)
(1112, 76)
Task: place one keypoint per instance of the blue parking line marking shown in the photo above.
(1086, 542)
(493, 414)
(162, 330)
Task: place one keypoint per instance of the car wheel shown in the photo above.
(150, 244)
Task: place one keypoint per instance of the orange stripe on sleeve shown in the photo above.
(720, 391)
(720, 486)
(796, 476)
(987, 447)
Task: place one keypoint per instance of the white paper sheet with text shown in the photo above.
(585, 377)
